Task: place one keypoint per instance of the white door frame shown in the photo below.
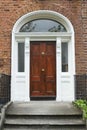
(20, 81)
(58, 64)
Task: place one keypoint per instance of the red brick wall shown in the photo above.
(84, 36)
(74, 10)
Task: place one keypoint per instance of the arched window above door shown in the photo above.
(43, 25)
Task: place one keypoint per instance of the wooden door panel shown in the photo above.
(34, 69)
(43, 69)
(35, 66)
(35, 89)
(50, 48)
(51, 69)
(49, 88)
(35, 49)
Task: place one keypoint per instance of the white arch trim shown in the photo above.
(16, 94)
(43, 14)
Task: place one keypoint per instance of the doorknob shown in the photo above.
(43, 70)
(42, 53)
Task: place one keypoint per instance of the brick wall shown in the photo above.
(74, 10)
(84, 36)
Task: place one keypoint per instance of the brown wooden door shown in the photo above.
(43, 70)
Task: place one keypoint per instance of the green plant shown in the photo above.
(82, 104)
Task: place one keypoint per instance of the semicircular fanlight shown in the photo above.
(43, 25)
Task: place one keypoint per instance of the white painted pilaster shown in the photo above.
(27, 67)
(13, 63)
(58, 69)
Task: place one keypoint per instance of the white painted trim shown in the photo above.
(12, 66)
(43, 14)
(27, 66)
(43, 34)
(58, 69)
(55, 36)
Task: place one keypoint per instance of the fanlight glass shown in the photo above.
(43, 25)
